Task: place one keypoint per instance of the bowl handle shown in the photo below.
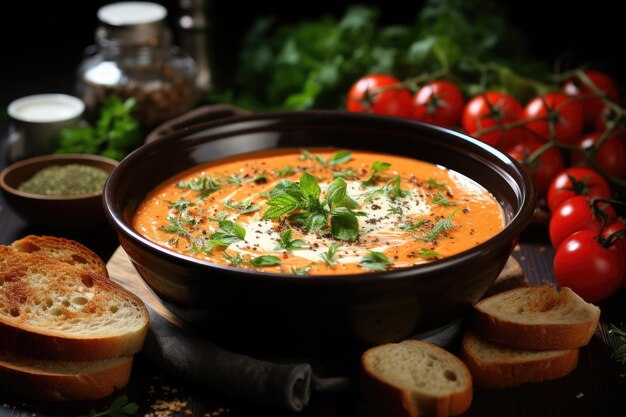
(200, 114)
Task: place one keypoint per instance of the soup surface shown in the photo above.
(319, 212)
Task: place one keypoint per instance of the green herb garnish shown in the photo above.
(242, 206)
(119, 407)
(337, 158)
(204, 185)
(377, 168)
(229, 232)
(175, 226)
(303, 204)
(348, 173)
(429, 254)
(288, 170)
(259, 261)
(411, 226)
(392, 190)
(329, 255)
(433, 184)
(375, 261)
(301, 270)
(440, 200)
(287, 244)
(441, 226)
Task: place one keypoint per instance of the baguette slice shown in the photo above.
(51, 310)
(66, 250)
(536, 317)
(414, 378)
(63, 380)
(498, 366)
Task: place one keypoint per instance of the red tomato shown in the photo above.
(440, 103)
(374, 94)
(488, 110)
(572, 215)
(592, 107)
(587, 182)
(620, 244)
(611, 156)
(559, 110)
(548, 166)
(589, 269)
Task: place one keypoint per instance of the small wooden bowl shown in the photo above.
(62, 213)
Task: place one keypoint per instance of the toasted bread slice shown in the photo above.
(66, 250)
(414, 378)
(49, 309)
(536, 317)
(497, 366)
(63, 380)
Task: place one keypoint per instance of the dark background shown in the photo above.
(43, 41)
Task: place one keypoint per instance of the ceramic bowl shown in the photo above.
(288, 314)
(54, 213)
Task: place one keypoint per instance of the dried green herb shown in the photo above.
(65, 180)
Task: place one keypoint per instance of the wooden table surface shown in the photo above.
(597, 387)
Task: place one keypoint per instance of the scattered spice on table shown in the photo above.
(65, 180)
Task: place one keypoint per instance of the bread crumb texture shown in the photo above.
(411, 366)
(537, 305)
(40, 294)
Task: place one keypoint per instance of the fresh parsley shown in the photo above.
(204, 185)
(375, 261)
(119, 407)
(288, 244)
(329, 255)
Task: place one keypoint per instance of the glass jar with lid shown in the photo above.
(134, 57)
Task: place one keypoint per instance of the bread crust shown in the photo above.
(503, 329)
(516, 371)
(44, 342)
(50, 382)
(397, 401)
(66, 250)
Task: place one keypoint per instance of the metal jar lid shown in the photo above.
(131, 23)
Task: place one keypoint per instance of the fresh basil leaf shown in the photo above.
(375, 261)
(309, 186)
(337, 191)
(281, 205)
(286, 243)
(232, 229)
(265, 260)
(288, 170)
(340, 157)
(286, 187)
(343, 224)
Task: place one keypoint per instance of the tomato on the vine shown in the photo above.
(620, 244)
(587, 182)
(572, 215)
(592, 106)
(590, 269)
(380, 94)
(557, 111)
(490, 110)
(549, 164)
(439, 102)
(611, 156)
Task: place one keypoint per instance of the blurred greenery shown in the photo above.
(313, 63)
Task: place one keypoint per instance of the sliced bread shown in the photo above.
(414, 378)
(66, 250)
(63, 380)
(536, 317)
(497, 366)
(51, 310)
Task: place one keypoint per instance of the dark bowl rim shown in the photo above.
(69, 157)
(511, 231)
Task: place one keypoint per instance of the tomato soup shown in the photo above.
(313, 212)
